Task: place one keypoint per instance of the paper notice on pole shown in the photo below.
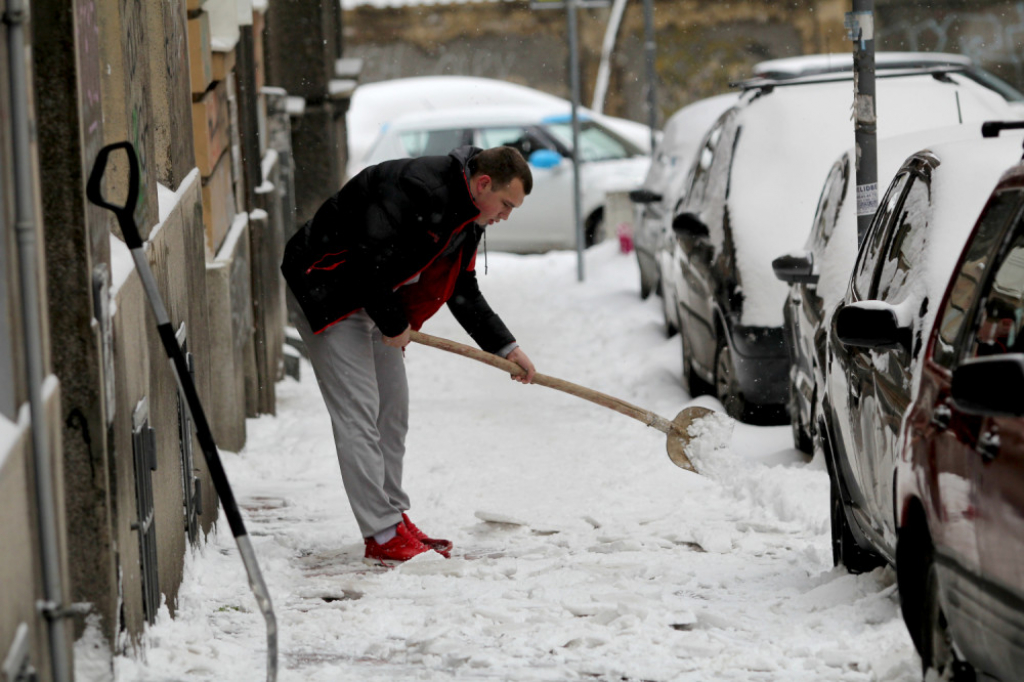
(867, 199)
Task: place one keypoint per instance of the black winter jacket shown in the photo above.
(381, 230)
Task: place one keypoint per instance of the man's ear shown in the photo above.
(483, 182)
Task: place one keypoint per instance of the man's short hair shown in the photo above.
(503, 164)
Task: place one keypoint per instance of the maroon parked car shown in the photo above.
(960, 482)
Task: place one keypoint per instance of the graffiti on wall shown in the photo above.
(90, 106)
(136, 81)
(177, 97)
(991, 37)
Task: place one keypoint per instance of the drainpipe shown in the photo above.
(860, 26)
(52, 605)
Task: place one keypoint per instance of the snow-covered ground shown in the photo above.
(581, 552)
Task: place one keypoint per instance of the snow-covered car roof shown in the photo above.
(836, 264)
(790, 139)
(484, 116)
(814, 64)
(961, 184)
(377, 104)
(680, 139)
(388, 144)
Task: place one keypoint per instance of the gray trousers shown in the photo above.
(364, 385)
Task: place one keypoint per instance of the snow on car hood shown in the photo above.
(616, 175)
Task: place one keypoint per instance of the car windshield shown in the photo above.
(994, 82)
(596, 142)
(432, 142)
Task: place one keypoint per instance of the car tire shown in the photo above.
(803, 437)
(937, 652)
(845, 550)
(727, 388)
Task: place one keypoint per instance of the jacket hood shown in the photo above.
(463, 154)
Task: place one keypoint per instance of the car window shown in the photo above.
(906, 242)
(999, 326)
(829, 203)
(523, 139)
(596, 142)
(432, 142)
(701, 169)
(975, 264)
(864, 271)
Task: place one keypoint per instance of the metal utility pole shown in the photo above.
(574, 84)
(649, 45)
(860, 27)
(574, 79)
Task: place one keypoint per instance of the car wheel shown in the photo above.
(845, 550)
(937, 652)
(727, 388)
(802, 437)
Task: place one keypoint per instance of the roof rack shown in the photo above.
(768, 84)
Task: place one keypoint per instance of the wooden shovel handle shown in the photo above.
(612, 403)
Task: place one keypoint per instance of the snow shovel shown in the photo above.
(676, 430)
(126, 220)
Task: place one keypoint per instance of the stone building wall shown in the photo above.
(702, 45)
(215, 196)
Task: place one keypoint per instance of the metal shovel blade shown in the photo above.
(679, 437)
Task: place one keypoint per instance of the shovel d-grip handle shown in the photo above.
(125, 213)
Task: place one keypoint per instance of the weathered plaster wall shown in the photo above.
(702, 45)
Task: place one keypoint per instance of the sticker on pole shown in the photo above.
(867, 199)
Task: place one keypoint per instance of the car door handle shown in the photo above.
(988, 446)
(941, 416)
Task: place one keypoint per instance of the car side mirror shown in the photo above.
(796, 268)
(871, 324)
(689, 225)
(545, 158)
(992, 385)
(644, 196)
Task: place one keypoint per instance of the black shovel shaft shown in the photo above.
(126, 220)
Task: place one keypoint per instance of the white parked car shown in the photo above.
(662, 190)
(609, 163)
(374, 105)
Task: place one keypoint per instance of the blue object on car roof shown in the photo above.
(564, 118)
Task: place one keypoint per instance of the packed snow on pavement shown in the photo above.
(581, 551)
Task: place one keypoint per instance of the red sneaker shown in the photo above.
(442, 547)
(402, 547)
